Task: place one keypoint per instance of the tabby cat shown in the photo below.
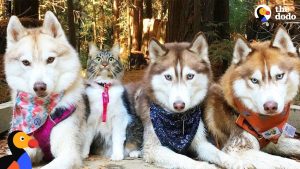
(107, 132)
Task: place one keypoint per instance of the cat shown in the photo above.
(107, 132)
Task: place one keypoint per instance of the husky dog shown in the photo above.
(169, 102)
(43, 72)
(248, 110)
(110, 113)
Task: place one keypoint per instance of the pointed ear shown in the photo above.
(52, 27)
(115, 50)
(15, 30)
(241, 51)
(200, 47)
(93, 49)
(283, 41)
(156, 50)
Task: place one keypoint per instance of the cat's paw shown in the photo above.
(117, 157)
(135, 154)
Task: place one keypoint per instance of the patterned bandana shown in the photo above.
(175, 130)
(31, 112)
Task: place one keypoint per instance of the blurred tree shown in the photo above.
(71, 24)
(148, 9)
(116, 26)
(26, 8)
(137, 25)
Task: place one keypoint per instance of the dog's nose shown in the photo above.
(40, 88)
(178, 105)
(271, 107)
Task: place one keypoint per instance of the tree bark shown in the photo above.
(148, 12)
(221, 15)
(137, 25)
(71, 25)
(26, 8)
(116, 27)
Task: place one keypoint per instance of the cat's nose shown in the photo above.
(104, 64)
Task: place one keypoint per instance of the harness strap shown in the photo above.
(42, 135)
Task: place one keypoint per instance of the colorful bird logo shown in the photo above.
(19, 159)
(263, 13)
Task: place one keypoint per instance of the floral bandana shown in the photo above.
(175, 130)
(31, 112)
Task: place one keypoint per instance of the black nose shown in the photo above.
(178, 105)
(40, 88)
(271, 107)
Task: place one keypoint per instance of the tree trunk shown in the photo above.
(71, 25)
(137, 25)
(148, 12)
(221, 15)
(26, 8)
(116, 27)
(175, 11)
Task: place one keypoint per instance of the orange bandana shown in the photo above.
(265, 128)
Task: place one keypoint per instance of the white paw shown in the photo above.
(202, 165)
(238, 164)
(135, 154)
(117, 156)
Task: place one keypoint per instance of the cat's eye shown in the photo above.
(110, 59)
(26, 62)
(279, 76)
(254, 80)
(168, 77)
(190, 76)
(98, 58)
(50, 60)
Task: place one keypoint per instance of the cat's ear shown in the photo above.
(93, 49)
(115, 50)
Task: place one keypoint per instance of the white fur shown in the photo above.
(241, 51)
(114, 129)
(61, 75)
(191, 92)
(280, 91)
(283, 36)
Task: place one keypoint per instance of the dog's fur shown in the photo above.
(177, 60)
(262, 61)
(63, 74)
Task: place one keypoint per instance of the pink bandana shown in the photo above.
(31, 112)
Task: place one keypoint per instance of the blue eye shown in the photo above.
(279, 76)
(190, 76)
(168, 77)
(254, 81)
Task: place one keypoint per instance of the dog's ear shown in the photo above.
(156, 50)
(15, 30)
(283, 41)
(115, 50)
(241, 51)
(93, 49)
(52, 27)
(200, 47)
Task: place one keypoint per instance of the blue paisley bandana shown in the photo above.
(175, 130)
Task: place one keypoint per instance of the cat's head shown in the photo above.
(104, 64)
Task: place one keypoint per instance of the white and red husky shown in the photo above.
(169, 102)
(248, 111)
(43, 72)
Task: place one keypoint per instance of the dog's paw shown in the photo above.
(117, 157)
(135, 154)
(241, 165)
(201, 165)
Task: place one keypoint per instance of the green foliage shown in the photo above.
(220, 55)
(240, 10)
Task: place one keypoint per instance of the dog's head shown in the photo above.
(179, 74)
(40, 60)
(264, 75)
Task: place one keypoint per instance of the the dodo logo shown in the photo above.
(263, 13)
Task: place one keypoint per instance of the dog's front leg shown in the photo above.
(245, 147)
(162, 156)
(118, 138)
(208, 152)
(285, 147)
(65, 141)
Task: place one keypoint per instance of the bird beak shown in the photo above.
(33, 143)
